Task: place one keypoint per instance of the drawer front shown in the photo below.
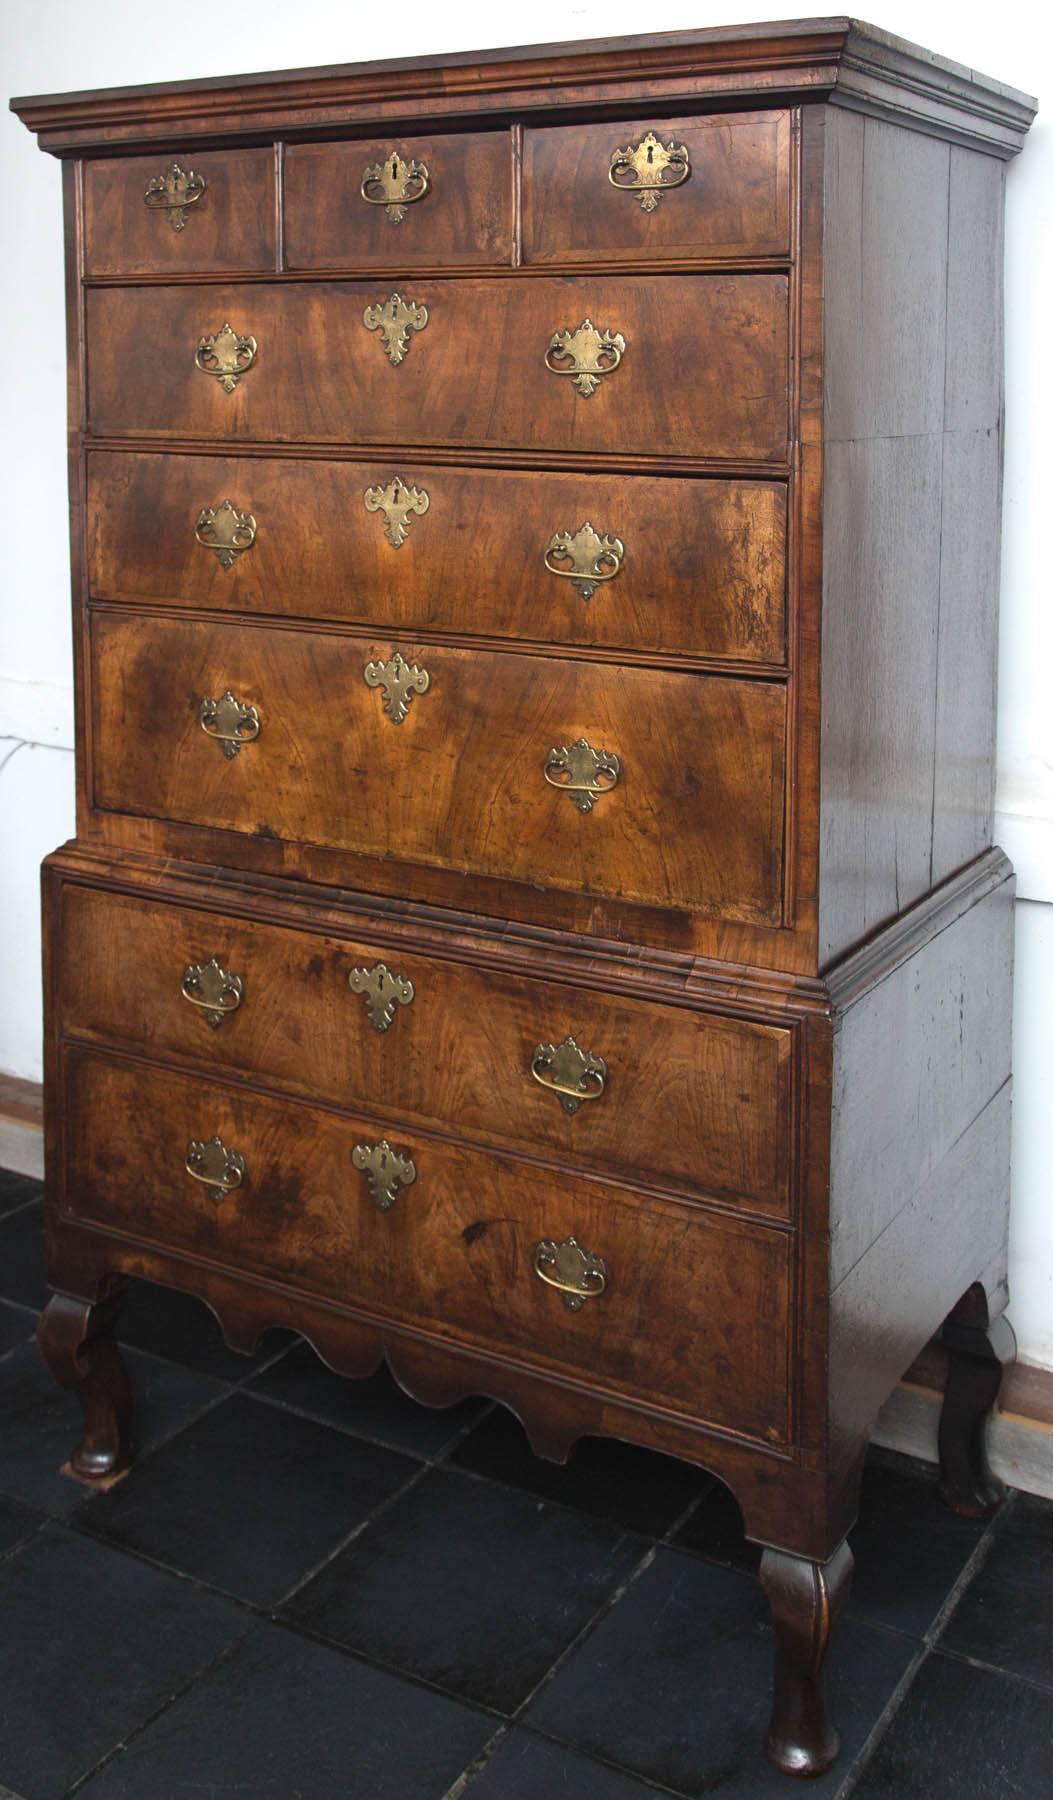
(696, 1103)
(697, 567)
(703, 371)
(645, 187)
(694, 1314)
(478, 774)
(405, 203)
(160, 215)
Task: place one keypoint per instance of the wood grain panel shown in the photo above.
(704, 371)
(704, 569)
(693, 1100)
(695, 822)
(454, 1255)
(465, 216)
(735, 202)
(232, 227)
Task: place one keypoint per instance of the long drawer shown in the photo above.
(456, 362)
(696, 567)
(673, 1306)
(696, 1103)
(646, 785)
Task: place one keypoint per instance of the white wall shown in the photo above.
(47, 46)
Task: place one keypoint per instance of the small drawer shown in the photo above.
(646, 366)
(164, 215)
(716, 187)
(629, 783)
(671, 1306)
(404, 203)
(680, 1100)
(695, 567)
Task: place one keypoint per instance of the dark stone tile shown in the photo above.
(284, 1717)
(15, 1190)
(909, 1547)
(374, 1408)
(715, 1530)
(93, 1643)
(17, 1325)
(170, 1323)
(18, 1524)
(40, 1423)
(249, 1498)
(963, 1734)
(524, 1767)
(675, 1684)
(1006, 1613)
(469, 1586)
(619, 1482)
(22, 1275)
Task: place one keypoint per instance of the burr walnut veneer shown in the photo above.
(533, 915)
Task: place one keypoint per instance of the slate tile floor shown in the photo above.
(313, 1589)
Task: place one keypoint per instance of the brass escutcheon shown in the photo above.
(226, 531)
(587, 355)
(398, 503)
(395, 318)
(582, 772)
(575, 1273)
(574, 1075)
(591, 558)
(386, 1170)
(383, 992)
(227, 356)
(209, 986)
(175, 191)
(394, 184)
(219, 1170)
(230, 721)
(400, 681)
(649, 167)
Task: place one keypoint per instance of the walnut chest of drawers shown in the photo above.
(533, 915)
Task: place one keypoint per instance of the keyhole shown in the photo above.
(650, 153)
(394, 168)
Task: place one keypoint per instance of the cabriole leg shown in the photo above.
(76, 1341)
(978, 1350)
(805, 1599)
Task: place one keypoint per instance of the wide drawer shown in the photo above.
(716, 186)
(693, 1314)
(399, 202)
(697, 567)
(693, 1102)
(213, 211)
(588, 777)
(703, 368)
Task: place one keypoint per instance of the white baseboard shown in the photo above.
(1020, 1450)
(21, 1151)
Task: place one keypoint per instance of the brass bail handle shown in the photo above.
(218, 1169)
(575, 1273)
(574, 1074)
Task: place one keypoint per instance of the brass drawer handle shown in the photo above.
(386, 1171)
(400, 680)
(591, 558)
(394, 184)
(575, 1075)
(226, 531)
(219, 1170)
(585, 354)
(227, 356)
(398, 503)
(383, 992)
(209, 986)
(230, 721)
(395, 318)
(173, 192)
(575, 1273)
(584, 773)
(647, 168)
